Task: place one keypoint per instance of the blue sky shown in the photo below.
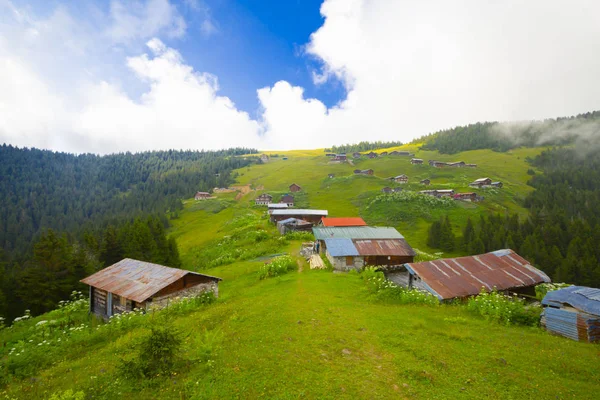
(131, 75)
(275, 30)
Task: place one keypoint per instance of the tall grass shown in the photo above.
(279, 266)
(504, 309)
(382, 289)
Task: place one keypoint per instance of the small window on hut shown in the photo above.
(349, 261)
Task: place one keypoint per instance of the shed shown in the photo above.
(202, 196)
(347, 221)
(363, 171)
(387, 189)
(383, 153)
(573, 312)
(444, 192)
(313, 216)
(372, 155)
(131, 284)
(356, 155)
(339, 157)
(416, 161)
(425, 182)
(456, 164)
(295, 188)
(449, 278)
(264, 158)
(496, 184)
(331, 176)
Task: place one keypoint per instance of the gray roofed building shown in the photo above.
(356, 232)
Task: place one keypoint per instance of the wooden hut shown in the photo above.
(131, 284)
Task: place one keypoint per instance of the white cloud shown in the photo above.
(409, 68)
(140, 20)
(412, 68)
(55, 93)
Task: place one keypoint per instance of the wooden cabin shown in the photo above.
(131, 284)
(401, 179)
(263, 200)
(416, 161)
(202, 196)
(295, 188)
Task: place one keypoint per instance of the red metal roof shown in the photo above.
(349, 221)
(466, 276)
(136, 280)
(383, 247)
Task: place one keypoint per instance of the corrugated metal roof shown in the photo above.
(136, 280)
(481, 179)
(299, 212)
(466, 276)
(356, 232)
(348, 221)
(580, 297)
(341, 247)
(384, 247)
(278, 205)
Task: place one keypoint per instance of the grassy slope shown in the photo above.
(316, 334)
(345, 194)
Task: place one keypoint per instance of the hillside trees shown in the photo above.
(562, 233)
(59, 263)
(42, 190)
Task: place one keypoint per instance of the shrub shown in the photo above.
(543, 288)
(68, 395)
(279, 266)
(383, 289)
(504, 309)
(157, 354)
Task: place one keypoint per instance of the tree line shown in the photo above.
(42, 189)
(362, 146)
(562, 233)
(59, 261)
(503, 137)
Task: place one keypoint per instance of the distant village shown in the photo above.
(348, 243)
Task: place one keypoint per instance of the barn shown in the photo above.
(449, 278)
(131, 284)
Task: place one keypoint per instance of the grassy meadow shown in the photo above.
(310, 334)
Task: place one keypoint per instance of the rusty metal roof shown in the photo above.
(348, 221)
(466, 276)
(137, 280)
(384, 247)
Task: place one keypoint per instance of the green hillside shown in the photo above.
(349, 195)
(308, 334)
